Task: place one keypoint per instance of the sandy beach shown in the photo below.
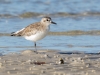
(47, 62)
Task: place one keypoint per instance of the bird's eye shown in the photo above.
(47, 20)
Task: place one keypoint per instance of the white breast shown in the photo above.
(38, 36)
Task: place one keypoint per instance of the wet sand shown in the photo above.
(66, 33)
(58, 14)
(48, 62)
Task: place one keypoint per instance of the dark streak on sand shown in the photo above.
(67, 33)
(59, 14)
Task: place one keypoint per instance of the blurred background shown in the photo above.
(77, 29)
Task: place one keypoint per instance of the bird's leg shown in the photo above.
(35, 46)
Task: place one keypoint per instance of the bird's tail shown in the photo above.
(17, 33)
(14, 34)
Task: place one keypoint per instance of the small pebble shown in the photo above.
(30, 68)
(1, 65)
(42, 71)
(61, 61)
(46, 55)
(8, 72)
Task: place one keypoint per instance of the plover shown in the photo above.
(35, 31)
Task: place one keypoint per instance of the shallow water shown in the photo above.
(70, 16)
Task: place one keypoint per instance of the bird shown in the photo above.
(35, 31)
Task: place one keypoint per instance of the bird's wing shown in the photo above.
(29, 30)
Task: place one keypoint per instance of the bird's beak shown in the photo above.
(53, 22)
